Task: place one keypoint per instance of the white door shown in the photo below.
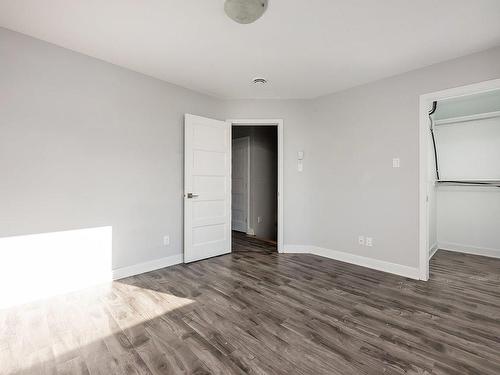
(239, 191)
(207, 188)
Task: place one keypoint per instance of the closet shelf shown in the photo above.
(479, 116)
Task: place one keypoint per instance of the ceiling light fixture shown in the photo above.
(245, 11)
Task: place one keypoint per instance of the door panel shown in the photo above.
(209, 163)
(207, 175)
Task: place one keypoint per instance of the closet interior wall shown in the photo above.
(466, 217)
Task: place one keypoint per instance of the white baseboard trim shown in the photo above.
(380, 265)
(460, 248)
(432, 251)
(137, 269)
(297, 249)
(376, 264)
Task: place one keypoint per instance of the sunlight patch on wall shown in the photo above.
(38, 266)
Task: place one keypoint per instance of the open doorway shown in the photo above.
(255, 187)
(208, 185)
(459, 172)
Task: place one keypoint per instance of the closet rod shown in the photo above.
(495, 183)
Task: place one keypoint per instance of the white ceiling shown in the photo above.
(304, 48)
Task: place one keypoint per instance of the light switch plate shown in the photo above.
(396, 163)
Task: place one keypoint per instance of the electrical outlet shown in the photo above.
(369, 241)
(259, 219)
(361, 240)
(166, 240)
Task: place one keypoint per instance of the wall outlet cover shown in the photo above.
(166, 240)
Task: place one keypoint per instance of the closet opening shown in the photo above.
(460, 176)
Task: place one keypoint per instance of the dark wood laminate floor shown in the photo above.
(242, 242)
(266, 313)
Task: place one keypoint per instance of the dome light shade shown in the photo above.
(245, 11)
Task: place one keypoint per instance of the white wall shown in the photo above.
(356, 134)
(469, 150)
(263, 178)
(85, 144)
(468, 219)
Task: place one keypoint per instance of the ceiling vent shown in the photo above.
(259, 81)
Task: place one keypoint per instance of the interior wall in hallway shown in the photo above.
(263, 178)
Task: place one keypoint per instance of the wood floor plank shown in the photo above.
(259, 312)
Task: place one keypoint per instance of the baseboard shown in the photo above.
(137, 269)
(432, 251)
(297, 249)
(459, 248)
(380, 265)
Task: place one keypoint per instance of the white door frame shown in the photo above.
(424, 144)
(279, 124)
(248, 230)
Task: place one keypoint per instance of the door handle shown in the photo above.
(191, 195)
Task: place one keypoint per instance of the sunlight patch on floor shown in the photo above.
(89, 322)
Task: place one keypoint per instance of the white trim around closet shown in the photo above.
(425, 104)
